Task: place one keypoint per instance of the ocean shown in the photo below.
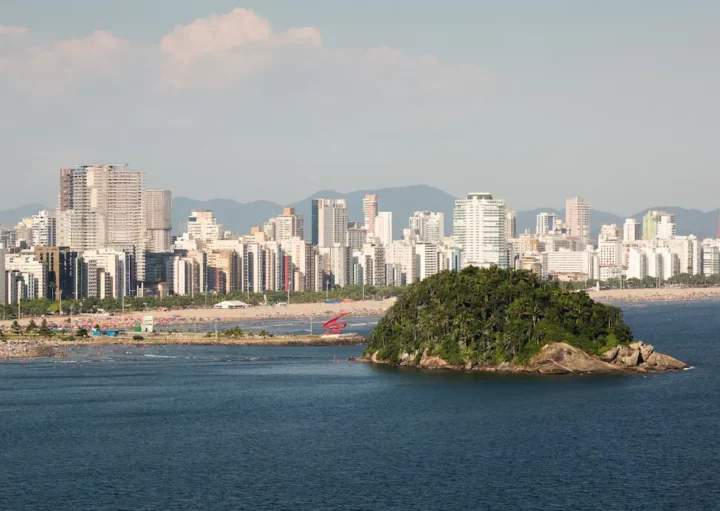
(299, 428)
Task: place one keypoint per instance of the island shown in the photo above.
(495, 320)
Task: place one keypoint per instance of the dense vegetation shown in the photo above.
(491, 316)
(42, 307)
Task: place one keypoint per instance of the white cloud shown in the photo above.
(53, 67)
(13, 31)
(218, 50)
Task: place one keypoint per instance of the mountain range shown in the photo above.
(402, 201)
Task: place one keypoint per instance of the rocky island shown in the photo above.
(495, 320)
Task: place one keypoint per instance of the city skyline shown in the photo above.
(528, 102)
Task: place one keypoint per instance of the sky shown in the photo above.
(533, 101)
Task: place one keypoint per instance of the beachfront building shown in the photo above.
(479, 230)
(577, 218)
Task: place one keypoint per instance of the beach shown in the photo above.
(180, 317)
(665, 294)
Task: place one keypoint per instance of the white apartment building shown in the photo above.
(510, 224)
(544, 223)
(430, 226)
(157, 218)
(632, 230)
(427, 260)
(384, 227)
(3, 281)
(711, 257)
(44, 229)
(479, 229)
(568, 263)
(203, 227)
(577, 218)
(30, 273)
(332, 222)
(610, 232)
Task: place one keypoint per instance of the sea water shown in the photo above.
(299, 428)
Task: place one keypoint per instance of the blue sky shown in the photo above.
(533, 101)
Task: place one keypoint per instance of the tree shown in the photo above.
(15, 327)
(44, 329)
(31, 327)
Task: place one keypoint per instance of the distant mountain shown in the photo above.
(10, 217)
(402, 201)
(234, 216)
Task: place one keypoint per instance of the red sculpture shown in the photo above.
(334, 326)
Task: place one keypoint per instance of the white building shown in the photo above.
(332, 222)
(577, 218)
(44, 229)
(157, 217)
(203, 227)
(711, 257)
(544, 223)
(429, 226)
(632, 230)
(570, 264)
(30, 273)
(479, 229)
(384, 228)
(510, 224)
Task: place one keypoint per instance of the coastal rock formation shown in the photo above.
(555, 358)
(28, 349)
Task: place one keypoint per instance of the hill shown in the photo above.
(10, 217)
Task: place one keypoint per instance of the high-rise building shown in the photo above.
(43, 229)
(577, 218)
(3, 282)
(370, 211)
(101, 206)
(61, 266)
(511, 224)
(483, 235)
(332, 222)
(203, 226)
(286, 226)
(652, 228)
(632, 230)
(610, 232)
(157, 219)
(384, 228)
(544, 223)
(315, 221)
(429, 226)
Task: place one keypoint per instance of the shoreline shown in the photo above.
(663, 294)
(189, 317)
(52, 347)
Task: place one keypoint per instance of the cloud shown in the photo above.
(56, 66)
(6, 30)
(223, 48)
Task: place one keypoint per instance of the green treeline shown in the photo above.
(42, 306)
(492, 316)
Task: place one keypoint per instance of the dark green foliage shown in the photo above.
(44, 329)
(233, 332)
(138, 338)
(81, 332)
(492, 316)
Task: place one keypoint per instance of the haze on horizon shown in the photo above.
(615, 101)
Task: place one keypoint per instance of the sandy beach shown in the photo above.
(665, 294)
(190, 316)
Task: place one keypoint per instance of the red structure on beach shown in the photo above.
(335, 326)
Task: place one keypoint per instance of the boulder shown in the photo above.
(631, 360)
(659, 362)
(561, 358)
(646, 350)
(610, 354)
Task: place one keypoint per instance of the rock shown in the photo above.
(610, 354)
(561, 358)
(468, 365)
(646, 350)
(659, 362)
(636, 345)
(405, 359)
(631, 360)
(432, 362)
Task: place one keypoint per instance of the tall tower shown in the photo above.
(370, 210)
(577, 218)
(157, 218)
(718, 231)
(483, 235)
(332, 222)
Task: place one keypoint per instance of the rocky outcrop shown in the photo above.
(641, 356)
(557, 358)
